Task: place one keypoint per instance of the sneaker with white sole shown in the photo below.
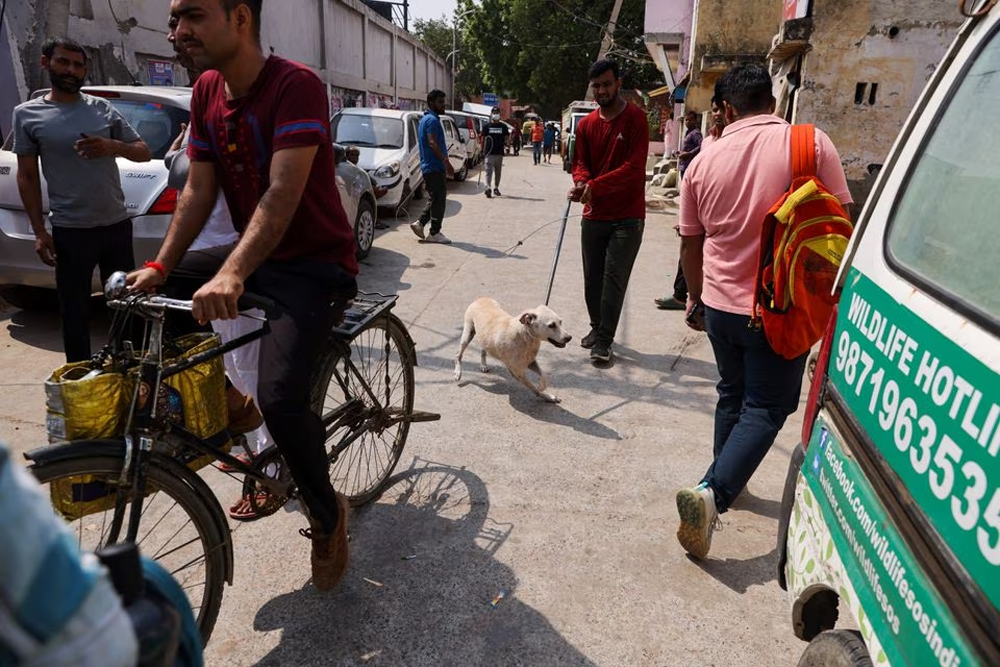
(601, 352)
(418, 229)
(699, 519)
(438, 238)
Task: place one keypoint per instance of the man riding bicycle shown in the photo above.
(259, 129)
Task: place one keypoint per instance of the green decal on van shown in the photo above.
(907, 614)
(933, 411)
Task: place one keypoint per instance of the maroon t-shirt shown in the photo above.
(285, 108)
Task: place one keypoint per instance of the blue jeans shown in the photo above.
(758, 389)
(537, 148)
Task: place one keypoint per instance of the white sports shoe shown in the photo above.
(438, 238)
(418, 229)
(699, 519)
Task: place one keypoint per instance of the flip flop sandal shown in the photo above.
(244, 457)
(242, 510)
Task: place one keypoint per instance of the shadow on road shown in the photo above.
(422, 589)
(765, 507)
(740, 575)
(525, 402)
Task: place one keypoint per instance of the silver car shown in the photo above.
(156, 113)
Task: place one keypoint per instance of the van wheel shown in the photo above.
(364, 229)
(461, 174)
(836, 648)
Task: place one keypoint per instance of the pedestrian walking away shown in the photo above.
(537, 137)
(435, 167)
(495, 136)
(548, 140)
(724, 198)
(609, 176)
(77, 138)
(678, 300)
(260, 129)
(515, 138)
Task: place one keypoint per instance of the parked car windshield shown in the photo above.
(157, 124)
(942, 231)
(372, 131)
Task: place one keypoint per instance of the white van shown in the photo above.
(388, 150)
(891, 510)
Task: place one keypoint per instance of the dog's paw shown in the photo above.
(458, 372)
(484, 368)
(552, 398)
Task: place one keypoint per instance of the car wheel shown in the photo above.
(364, 228)
(461, 174)
(29, 298)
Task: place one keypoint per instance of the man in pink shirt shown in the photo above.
(727, 192)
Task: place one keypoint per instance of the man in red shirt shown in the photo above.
(609, 173)
(260, 129)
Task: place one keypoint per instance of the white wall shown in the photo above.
(348, 45)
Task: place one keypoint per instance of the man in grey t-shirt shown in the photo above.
(77, 138)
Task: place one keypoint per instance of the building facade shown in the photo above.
(365, 59)
(856, 68)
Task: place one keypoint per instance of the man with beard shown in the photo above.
(260, 129)
(77, 137)
(609, 172)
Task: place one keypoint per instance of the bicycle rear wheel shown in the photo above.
(382, 360)
(177, 529)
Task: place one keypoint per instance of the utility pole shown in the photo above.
(609, 37)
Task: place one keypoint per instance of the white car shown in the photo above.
(457, 151)
(156, 113)
(387, 145)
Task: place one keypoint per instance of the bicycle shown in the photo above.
(138, 488)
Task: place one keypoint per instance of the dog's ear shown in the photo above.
(528, 317)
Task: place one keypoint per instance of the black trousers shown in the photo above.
(437, 193)
(78, 252)
(680, 284)
(304, 290)
(609, 251)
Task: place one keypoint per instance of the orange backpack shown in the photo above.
(802, 243)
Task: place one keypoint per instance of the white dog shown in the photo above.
(512, 340)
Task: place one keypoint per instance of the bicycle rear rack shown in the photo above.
(365, 308)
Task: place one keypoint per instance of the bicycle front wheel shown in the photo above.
(371, 384)
(177, 529)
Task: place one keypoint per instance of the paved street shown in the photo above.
(567, 509)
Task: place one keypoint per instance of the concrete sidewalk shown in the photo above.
(540, 534)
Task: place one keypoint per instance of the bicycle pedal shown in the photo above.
(422, 416)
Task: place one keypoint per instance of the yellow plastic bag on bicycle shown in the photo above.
(81, 405)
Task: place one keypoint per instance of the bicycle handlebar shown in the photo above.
(118, 296)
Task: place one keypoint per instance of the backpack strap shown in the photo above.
(803, 151)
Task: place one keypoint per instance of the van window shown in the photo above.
(943, 232)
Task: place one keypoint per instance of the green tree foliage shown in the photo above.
(539, 51)
(438, 35)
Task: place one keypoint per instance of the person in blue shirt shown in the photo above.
(435, 167)
(548, 141)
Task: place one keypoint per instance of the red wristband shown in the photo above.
(159, 268)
